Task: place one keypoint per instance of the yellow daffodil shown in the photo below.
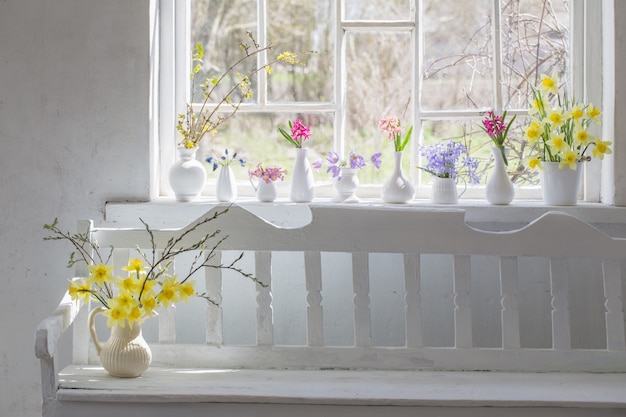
(186, 290)
(100, 274)
(115, 316)
(535, 163)
(568, 160)
(594, 113)
(124, 301)
(169, 292)
(79, 290)
(577, 112)
(134, 315)
(130, 284)
(135, 265)
(557, 143)
(532, 132)
(582, 137)
(549, 85)
(149, 303)
(536, 106)
(601, 148)
(557, 117)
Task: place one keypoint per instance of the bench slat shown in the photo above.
(263, 268)
(559, 289)
(413, 309)
(361, 286)
(510, 310)
(214, 313)
(314, 312)
(612, 271)
(462, 309)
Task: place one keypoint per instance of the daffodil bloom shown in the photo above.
(149, 303)
(536, 106)
(556, 117)
(582, 137)
(130, 284)
(535, 163)
(134, 315)
(577, 112)
(568, 160)
(124, 301)
(100, 274)
(115, 316)
(186, 290)
(558, 143)
(79, 290)
(601, 148)
(594, 113)
(135, 265)
(549, 85)
(169, 292)
(532, 132)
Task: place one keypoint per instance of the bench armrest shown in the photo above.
(51, 328)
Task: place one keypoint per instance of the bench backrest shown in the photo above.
(389, 288)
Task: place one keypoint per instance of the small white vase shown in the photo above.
(346, 185)
(265, 191)
(226, 187)
(499, 189)
(187, 175)
(302, 182)
(444, 191)
(126, 353)
(560, 187)
(397, 189)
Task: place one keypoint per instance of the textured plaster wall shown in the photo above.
(74, 83)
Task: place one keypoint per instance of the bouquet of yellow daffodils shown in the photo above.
(147, 285)
(558, 130)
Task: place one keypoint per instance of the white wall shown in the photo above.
(74, 123)
(74, 78)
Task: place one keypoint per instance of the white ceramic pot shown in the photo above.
(560, 187)
(397, 189)
(346, 185)
(265, 191)
(302, 182)
(187, 175)
(226, 186)
(444, 191)
(125, 354)
(499, 189)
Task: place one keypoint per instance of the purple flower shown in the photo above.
(335, 170)
(317, 164)
(375, 159)
(356, 161)
(450, 160)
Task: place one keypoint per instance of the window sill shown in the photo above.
(166, 212)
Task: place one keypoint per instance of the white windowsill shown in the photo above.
(166, 212)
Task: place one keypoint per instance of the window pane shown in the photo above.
(255, 137)
(378, 85)
(457, 63)
(299, 26)
(220, 26)
(377, 10)
(534, 42)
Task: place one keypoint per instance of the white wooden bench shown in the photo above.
(421, 323)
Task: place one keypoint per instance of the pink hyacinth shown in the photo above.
(391, 125)
(300, 132)
(494, 124)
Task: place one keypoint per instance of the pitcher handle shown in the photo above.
(252, 182)
(92, 327)
(464, 187)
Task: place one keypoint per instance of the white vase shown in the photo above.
(499, 189)
(560, 187)
(397, 189)
(226, 187)
(265, 191)
(125, 354)
(187, 175)
(346, 185)
(302, 182)
(444, 191)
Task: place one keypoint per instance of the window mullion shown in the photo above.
(340, 80)
(497, 56)
(262, 57)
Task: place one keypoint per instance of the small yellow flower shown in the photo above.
(186, 290)
(134, 315)
(115, 316)
(535, 163)
(532, 132)
(79, 290)
(577, 112)
(130, 284)
(100, 274)
(169, 292)
(135, 265)
(123, 301)
(556, 117)
(594, 113)
(568, 160)
(601, 148)
(582, 137)
(558, 144)
(549, 85)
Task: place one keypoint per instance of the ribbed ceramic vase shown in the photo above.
(187, 175)
(499, 189)
(444, 191)
(125, 354)
(346, 185)
(559, 186)
(302, 182)
(226, 186)
(397, 189)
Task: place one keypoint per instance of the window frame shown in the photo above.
(172, 88)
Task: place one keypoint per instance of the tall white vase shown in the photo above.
(560, 186)
(226, 186)
(346, 185)
(499, 189)
(302, 181)
(126, 353)
(397, 189)
(187, 175)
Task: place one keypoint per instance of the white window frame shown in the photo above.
(173, 68)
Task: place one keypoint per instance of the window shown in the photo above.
(437, 65)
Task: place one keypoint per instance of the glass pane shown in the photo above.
(478, 144)
(457, 66)
(377, 10)
(299, 26)
(378, 85)
(255, 137)
(535, 41)
(220, 26)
